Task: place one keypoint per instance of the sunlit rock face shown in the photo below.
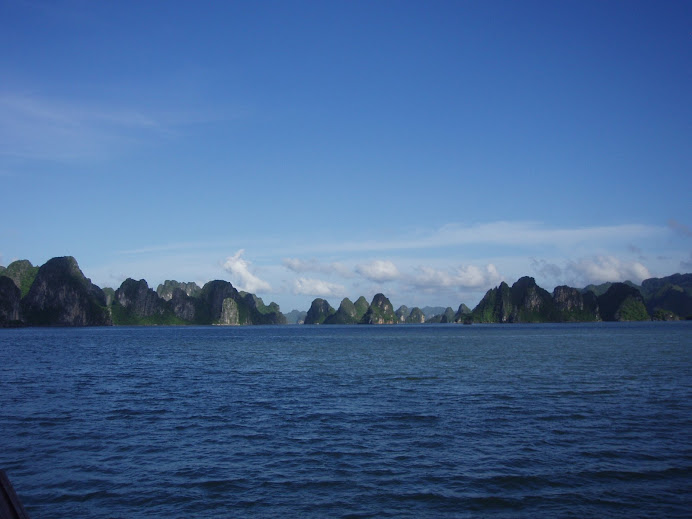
(230, 315)
(213, 295)
(166, 289)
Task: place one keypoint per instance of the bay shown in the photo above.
(349, 421)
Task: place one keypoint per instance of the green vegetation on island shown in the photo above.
(23, 273)
(381, 311)
(320, 310)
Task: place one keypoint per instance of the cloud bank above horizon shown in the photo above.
(448, 271)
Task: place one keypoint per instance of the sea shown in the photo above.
(406, 421)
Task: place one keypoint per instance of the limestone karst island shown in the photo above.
(58, 294)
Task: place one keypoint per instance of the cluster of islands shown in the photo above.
(58, 294)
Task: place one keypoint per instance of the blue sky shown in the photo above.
(426, 150)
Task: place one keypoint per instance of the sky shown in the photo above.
(300, 149)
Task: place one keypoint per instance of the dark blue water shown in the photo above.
(355, 421)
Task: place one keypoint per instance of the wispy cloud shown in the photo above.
(181, 246)
(70, 114)
(502, 233)
(38, 127)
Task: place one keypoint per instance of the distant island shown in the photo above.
(58, 294)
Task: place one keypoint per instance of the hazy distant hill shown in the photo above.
(601, 289)
(296, 317)
(431, 311)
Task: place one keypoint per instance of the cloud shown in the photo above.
(634, 249)
(545, 269)
(378, 271)
(686, 264)
(680, 228)
(606, 268)
(317, 287)
(299, 266)
(464, 277)
(246, 280)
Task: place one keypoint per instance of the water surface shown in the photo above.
(349, 421)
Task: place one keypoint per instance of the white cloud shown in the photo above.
(600, 269)
(468, 276)
(546, 269)
(312, 265)
(245, 279)
(378, 271)
(317, 287)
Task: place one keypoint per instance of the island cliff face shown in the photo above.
(61, 296)
(217, 302)
(183, 306)
(573, 306)
(141, 300)
(213, 294)
(668, 298)
(168, 287)
(463, 314)
(345, 314)
(259, 313)
(527, 302)
(402, 313)
(319, 311)
(415, 316)
(58, 294)
(622, 302)
(10, 303)
(348, 312)
(381, 311)
(495, 307)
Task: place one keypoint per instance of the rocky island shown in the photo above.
(58, 294)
